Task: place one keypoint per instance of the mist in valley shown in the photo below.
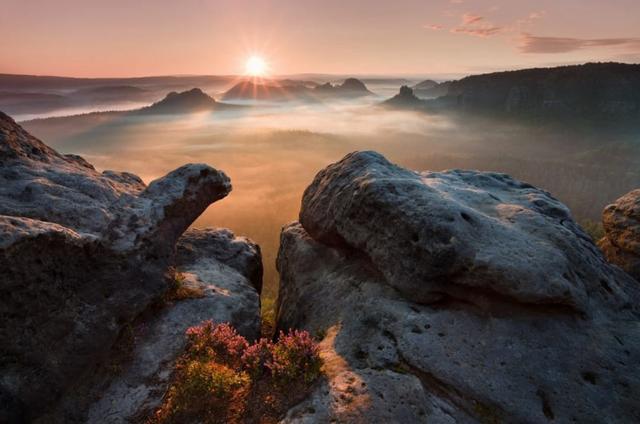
(272, 153)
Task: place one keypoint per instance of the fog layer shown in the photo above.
(272, 154)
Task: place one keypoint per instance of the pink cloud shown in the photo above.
(477, 26)
(481, 31)
(537, 15)
(470, 18)
(433, 27)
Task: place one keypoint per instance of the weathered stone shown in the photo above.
(222, 267)
(82, 253)
(621, 242)
(455, 296)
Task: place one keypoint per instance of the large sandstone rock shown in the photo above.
(226, 269)
(82, 253)
(455, 296)
(621, 242)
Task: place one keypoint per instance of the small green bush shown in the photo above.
(203, 385)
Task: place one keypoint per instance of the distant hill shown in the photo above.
(290, 90)
(29, 102)
(405, 99)
(269, 91)
(194, 100)
(37, 82)
(592, 91)
(607, 90)
(425, 85)
(430, 89)
(112, 90)
(350, 88)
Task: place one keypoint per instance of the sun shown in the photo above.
(256, 66)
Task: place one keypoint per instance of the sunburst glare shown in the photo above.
(256, 66)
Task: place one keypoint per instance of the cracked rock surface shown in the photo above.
(83, 253)
(455, 296)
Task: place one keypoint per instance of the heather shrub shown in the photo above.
(295, 356)
(256, 357)
(220, 378)
(220, 342)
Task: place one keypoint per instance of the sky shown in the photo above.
(110, 38)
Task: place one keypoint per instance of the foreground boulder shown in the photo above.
(455, 296)
(224, 274)
(82, 254)
(621, 242)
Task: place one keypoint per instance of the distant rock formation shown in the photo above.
(593, 90)
(269, 91)
(350, 88)
(425, 85)
(456, 296)
(288, 90)
(405, 99)
(194, 100)
(597, 92)
(83, 254)
(621, 242)
(430, 89)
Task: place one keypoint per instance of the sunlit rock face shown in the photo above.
(621, 243)
(227, 270)
(456, 296)
(82, 253)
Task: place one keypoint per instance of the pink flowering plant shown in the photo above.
(295, 356)
(220, 373)
(219, 341)
(256, 357)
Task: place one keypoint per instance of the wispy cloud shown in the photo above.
(433, 27)
(476, 26)
(470, 18)
(481, 31)
(534, 44)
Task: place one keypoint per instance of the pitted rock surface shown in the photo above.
(455, 296)
(82, 253)
(621, 242)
